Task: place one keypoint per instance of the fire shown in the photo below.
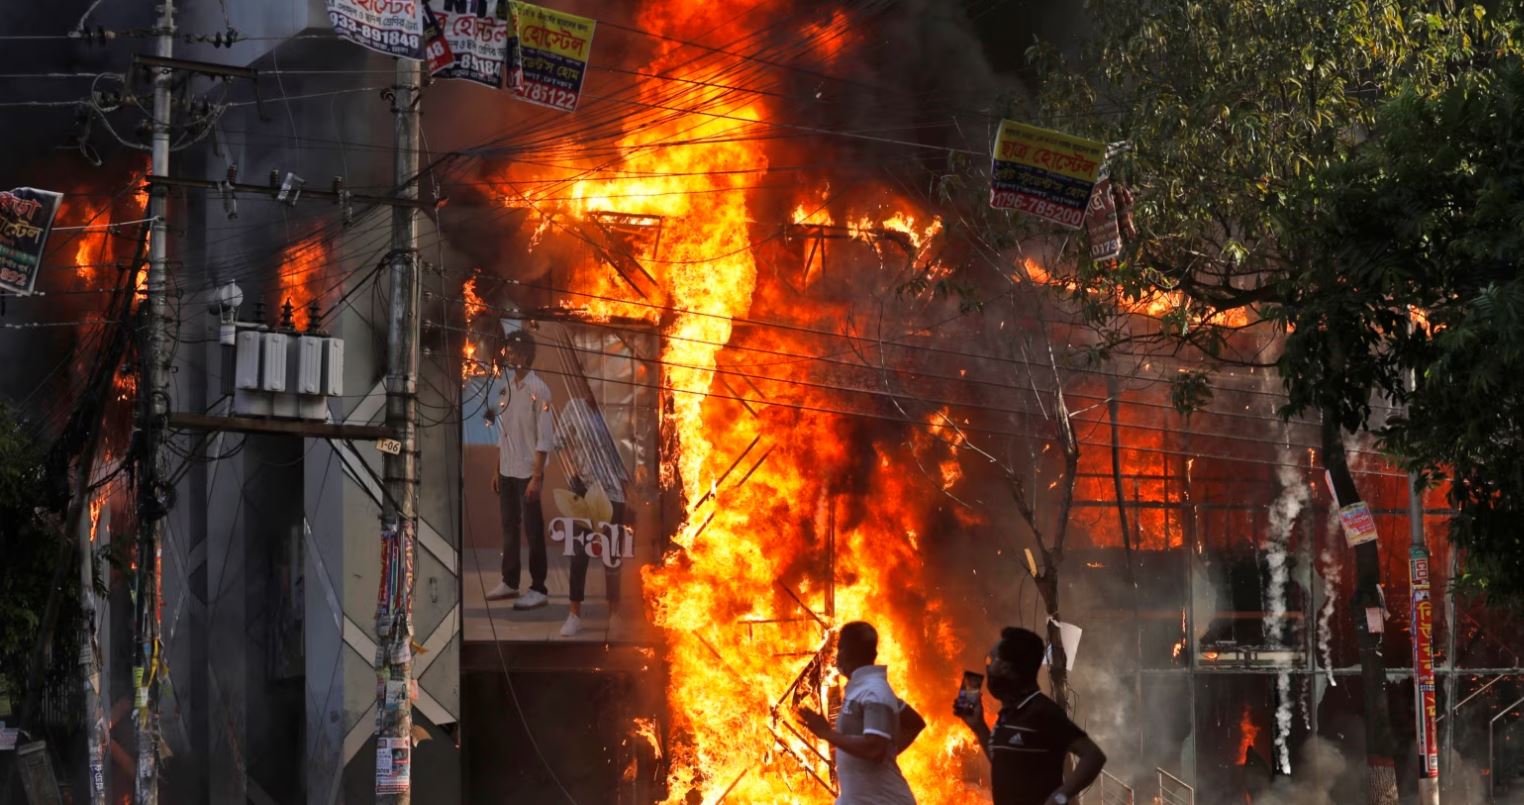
(1248, 732)
(96, 502)
(750, 592)
(1153, 304)
(473, 307)
(645, 729)
(301, 274)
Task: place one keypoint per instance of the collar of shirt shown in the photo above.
(867, 675)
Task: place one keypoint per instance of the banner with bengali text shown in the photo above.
(478, 34)
(1043, 173)
(548, 59)
(393, 27)
(26, 218)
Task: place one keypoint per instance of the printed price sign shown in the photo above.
(548, 58)
(1043, 173)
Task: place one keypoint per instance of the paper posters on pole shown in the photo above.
(477, 34)
(26, 218)
(1045, 174)
(550, 58)
(1359, 525)
(393, 763)
(393, 27)
(1423, 663)
(1070, 635)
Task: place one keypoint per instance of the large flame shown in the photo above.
(797, 519)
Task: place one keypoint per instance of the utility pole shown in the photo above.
(399, 507)
(1369, 616)
(1422, 628)
(153, 416)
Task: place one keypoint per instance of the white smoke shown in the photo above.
(1284, 511)
(1323, 768)
(1330, 561)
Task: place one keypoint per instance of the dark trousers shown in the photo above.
(521, 516)
(580, 561)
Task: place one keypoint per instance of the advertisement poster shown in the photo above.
(393, 27)
(1359, 525)
(1101, 223)
(477, 35)
(1423, 662)
(393, 764)
(436, 49)
(597, 515)
(26, 217)
(551, 57)
(1045, 174)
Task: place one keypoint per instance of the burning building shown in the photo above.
(822, 396)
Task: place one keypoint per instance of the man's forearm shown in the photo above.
(867, 747)
(1084, 773)
(981, 734)
(539, 463)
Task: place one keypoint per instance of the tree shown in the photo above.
(36, 552)
(1423, 224)
(1237, 110)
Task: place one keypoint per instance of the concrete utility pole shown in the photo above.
(153, 415)
(1422, 628)
(399, 507)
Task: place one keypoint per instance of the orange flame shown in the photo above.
(1249, 732)
(301, 273)
(473, 308)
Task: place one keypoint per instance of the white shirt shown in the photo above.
(524, 424)
(871, 708)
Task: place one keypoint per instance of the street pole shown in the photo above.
(1422, 629)
(399, 507)
(1370, 623)
(153, 414)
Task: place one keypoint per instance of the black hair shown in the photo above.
(520, 339)
(862, 635)
(1023, 649)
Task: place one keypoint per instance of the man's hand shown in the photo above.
(532, 491)
(973, 717)
(495, 483)
(814, 722)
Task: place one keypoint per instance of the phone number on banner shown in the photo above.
(549, 96)
(475, 68)
(395, 42)
(1009, 200)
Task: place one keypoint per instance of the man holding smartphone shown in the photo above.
(1032, 735)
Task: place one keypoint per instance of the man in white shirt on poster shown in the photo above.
(525, 430)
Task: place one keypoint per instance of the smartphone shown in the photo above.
(969, 694)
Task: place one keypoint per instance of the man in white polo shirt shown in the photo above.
(524, 438)
(873, 728)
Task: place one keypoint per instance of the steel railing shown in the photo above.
(1492, 755)
(1109, 790)
(1173, 790)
